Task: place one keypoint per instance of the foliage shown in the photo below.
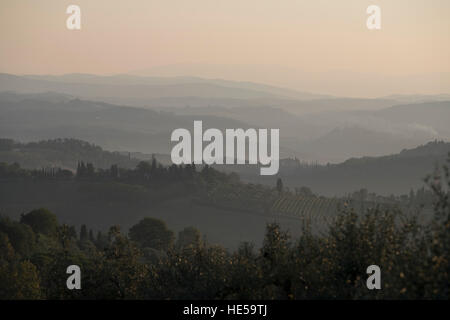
(41, 221)
(413, 253)
(152, 233)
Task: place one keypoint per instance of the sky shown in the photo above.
(321, 45)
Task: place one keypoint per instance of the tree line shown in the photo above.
(150, 262)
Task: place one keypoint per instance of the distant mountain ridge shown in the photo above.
(127, 79)
(137, 90)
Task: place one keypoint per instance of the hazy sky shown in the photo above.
(235, 36)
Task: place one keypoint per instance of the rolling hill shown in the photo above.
(391, 174)
(111, 126)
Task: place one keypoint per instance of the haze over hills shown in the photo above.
(334, 136)
(176, 92)
(141, 91)
(434, 116)
(356, 141)
(182, 91)
(313, 127)
(336, 111)
(417, 98)
(336, 82)
(112, 126)
(130, 80)
(396, 173)
(136, 115)
(326, 136)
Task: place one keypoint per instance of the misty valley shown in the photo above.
(224, 159)
(134, 180)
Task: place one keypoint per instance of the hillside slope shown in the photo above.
(385, 175)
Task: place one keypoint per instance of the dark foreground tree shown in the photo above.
(41, 221)
(152, 233)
